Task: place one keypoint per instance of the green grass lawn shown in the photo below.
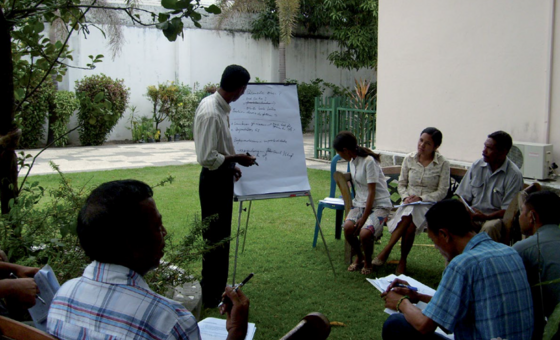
(291, 279)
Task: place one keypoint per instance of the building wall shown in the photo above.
(148, 58)
(468, 68)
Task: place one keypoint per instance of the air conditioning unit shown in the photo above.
(533, 159)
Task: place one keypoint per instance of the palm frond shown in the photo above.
(287, 13)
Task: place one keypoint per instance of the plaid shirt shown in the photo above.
(113, 302)
(484, 294)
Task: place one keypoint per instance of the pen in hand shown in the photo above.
(414, 289)
(236, 288)
(257, 164)
(14, 276)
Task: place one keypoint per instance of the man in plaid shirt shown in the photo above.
(121, 230)
(483, 294)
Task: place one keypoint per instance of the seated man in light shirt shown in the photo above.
(121, 230)
(491, 184)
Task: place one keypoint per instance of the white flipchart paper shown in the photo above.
(265, 122)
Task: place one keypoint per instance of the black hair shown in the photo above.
(546, 204)
(111, 219)
(346, 139)
(234, 78)
(451, 215)
(436, 135)
(503, 140)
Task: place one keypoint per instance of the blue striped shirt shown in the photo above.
(484, 294)
(113, 302)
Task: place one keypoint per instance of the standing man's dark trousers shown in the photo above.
(216, 197)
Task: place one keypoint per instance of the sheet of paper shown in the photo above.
(466, 204)
(215, 329)
(415, 203)
(48, 286)
(332, 200)
(265, 122)
(381, 284)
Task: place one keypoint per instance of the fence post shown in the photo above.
(333, 126)
(317, 129)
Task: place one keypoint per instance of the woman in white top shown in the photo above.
(371, 204)
(424, 178)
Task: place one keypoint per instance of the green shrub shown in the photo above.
(40, 230)
(37, 231)
(338, 91)
(33, 116)
(102, 103)
(65, 103)
(163, 98)
(181, 115)
(306, 98)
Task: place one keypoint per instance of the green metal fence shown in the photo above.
(336, 114)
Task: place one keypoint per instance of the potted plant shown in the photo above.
(150, 132)
(169, 133)
(141, 133)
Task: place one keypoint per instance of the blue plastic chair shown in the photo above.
(339, 206)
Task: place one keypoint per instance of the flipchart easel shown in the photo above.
(265, 122)
(252, 198)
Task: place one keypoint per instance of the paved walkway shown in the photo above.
(127, 156)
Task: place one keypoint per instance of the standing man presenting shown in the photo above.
(491, 184)
(216, 154)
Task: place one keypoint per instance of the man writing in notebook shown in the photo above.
(216, 154)
(483, 293)
(491, 184)
(121, 230)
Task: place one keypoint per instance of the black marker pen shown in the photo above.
(237, 287)
(248, 154)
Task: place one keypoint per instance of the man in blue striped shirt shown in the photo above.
(121, 230)
(483, 293)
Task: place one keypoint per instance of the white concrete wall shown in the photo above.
(554, 81)
(148, 58)
(468, 68)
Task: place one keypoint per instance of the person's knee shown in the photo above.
(406, 220)
(493, 229)
(348, 227)
(366, 235)
(393, 326)
(411, 227)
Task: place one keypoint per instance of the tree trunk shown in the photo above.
(9, 134)
(52, 114)
(282, 61)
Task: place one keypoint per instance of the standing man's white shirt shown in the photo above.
(211, 132)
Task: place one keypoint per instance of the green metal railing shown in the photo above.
(336, 114)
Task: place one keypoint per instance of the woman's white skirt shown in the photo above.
(418, 213)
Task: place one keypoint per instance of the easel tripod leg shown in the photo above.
(321, 232)
(237, 242)
(246, 226)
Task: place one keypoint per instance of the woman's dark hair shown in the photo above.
(111, 219)
(234, 78)
(346, 139)
(436, 135)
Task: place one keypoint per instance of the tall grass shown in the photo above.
(291, 279)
